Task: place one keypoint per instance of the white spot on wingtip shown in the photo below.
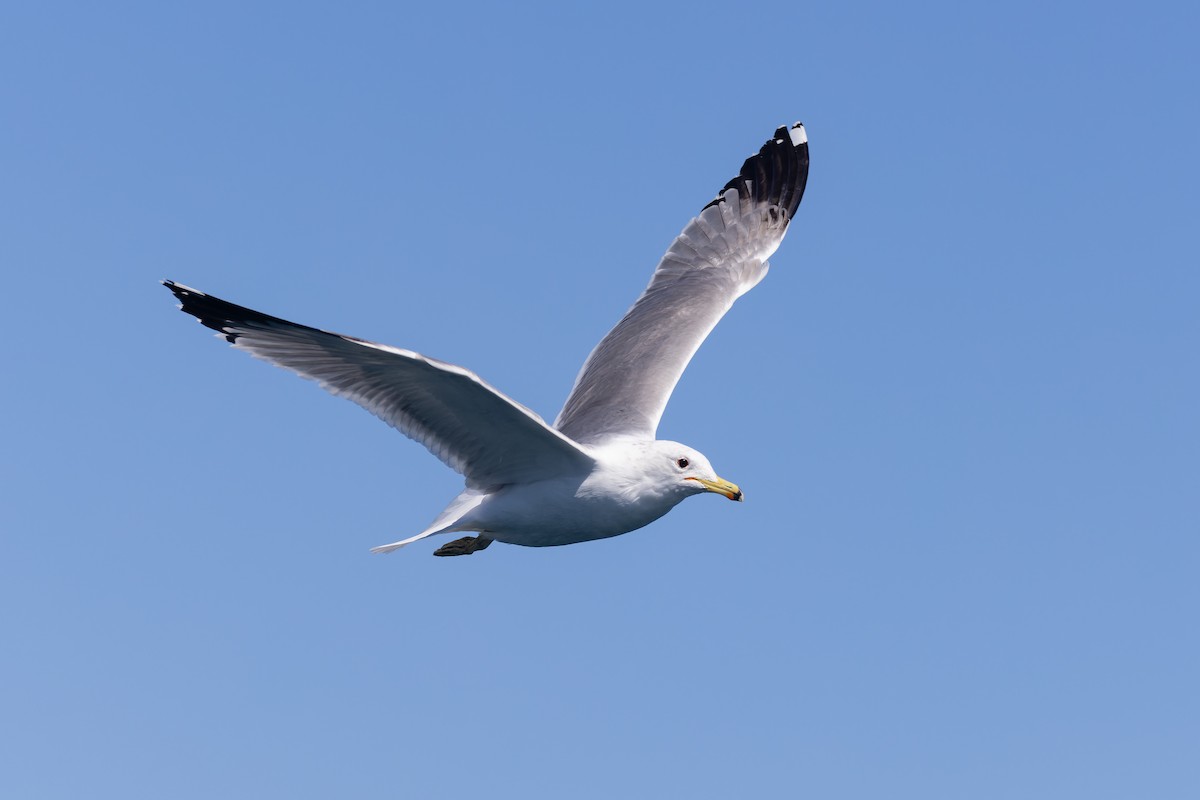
(799, 136)
(185, 289)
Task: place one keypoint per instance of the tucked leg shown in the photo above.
(464, 546)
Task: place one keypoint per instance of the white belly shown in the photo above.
(560, 512)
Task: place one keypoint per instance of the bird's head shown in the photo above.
(691, 472)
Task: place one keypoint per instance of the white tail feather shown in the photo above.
(446, 522)
(387, 548)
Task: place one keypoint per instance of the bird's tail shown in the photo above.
(387, 548)
(446, 522)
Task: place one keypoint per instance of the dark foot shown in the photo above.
(464, 546)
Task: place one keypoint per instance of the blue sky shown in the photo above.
(962, 405)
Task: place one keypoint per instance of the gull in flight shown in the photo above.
(598, 471)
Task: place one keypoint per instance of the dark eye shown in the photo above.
(683, 462)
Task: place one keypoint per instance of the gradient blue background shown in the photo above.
(963, 405)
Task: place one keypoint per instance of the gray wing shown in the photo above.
(625, 383)
(474, 429)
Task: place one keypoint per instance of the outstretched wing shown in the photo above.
(720, 255)
(474, 429)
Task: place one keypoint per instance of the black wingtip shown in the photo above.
(228, 319)
(182, 293)
(777, 174)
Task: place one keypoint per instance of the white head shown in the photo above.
(638, 481)
(686, 471)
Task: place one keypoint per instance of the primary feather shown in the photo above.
(627, 380)
(474, 429)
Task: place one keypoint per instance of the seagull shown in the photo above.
(598, 471)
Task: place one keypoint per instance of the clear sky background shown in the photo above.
(963, 406)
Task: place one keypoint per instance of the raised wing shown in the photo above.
(720, 255)
(474, 429)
